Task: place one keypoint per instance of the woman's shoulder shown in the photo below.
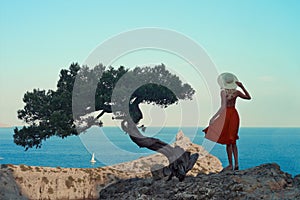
(230, 91)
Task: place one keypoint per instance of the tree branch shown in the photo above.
(180, 161)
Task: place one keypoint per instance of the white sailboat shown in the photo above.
(93, 159)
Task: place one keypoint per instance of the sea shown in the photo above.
(111, 145)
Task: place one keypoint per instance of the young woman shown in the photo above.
(224, 125)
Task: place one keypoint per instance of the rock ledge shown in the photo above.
(266, 181)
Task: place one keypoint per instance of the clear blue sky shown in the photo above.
(257, 40)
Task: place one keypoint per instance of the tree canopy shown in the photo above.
(51, 112)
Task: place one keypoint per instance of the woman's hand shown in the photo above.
(240, 84)
(240, 94)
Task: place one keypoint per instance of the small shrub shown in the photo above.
(69, 182)
(23, 168)
(3, 166)
(45, 180)
(98, 178)
(71, 178)
(50, 190)
(20, 179)
(38, 169)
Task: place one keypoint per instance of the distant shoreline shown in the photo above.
(5, 126)
(281, 127)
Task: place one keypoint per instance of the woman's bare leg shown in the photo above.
(235, 154)
(229, 155)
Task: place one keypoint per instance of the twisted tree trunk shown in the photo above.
(180, 161)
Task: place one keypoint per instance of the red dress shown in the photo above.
(224, 129)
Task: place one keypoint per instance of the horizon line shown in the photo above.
(14, 126)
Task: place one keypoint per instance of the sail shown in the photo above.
(93, 158)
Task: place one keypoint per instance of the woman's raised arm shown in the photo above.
(244, 95)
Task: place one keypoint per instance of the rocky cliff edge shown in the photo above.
(34, 182)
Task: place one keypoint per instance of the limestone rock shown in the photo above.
(33, 182)
(206, 162)
(266, 181)
(9, 189)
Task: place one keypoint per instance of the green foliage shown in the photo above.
(105, 87)
(157, 86)
(48, 113)
(81, 90)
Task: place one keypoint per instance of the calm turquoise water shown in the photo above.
(111, 146)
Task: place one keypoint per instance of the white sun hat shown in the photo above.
(227, 81)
